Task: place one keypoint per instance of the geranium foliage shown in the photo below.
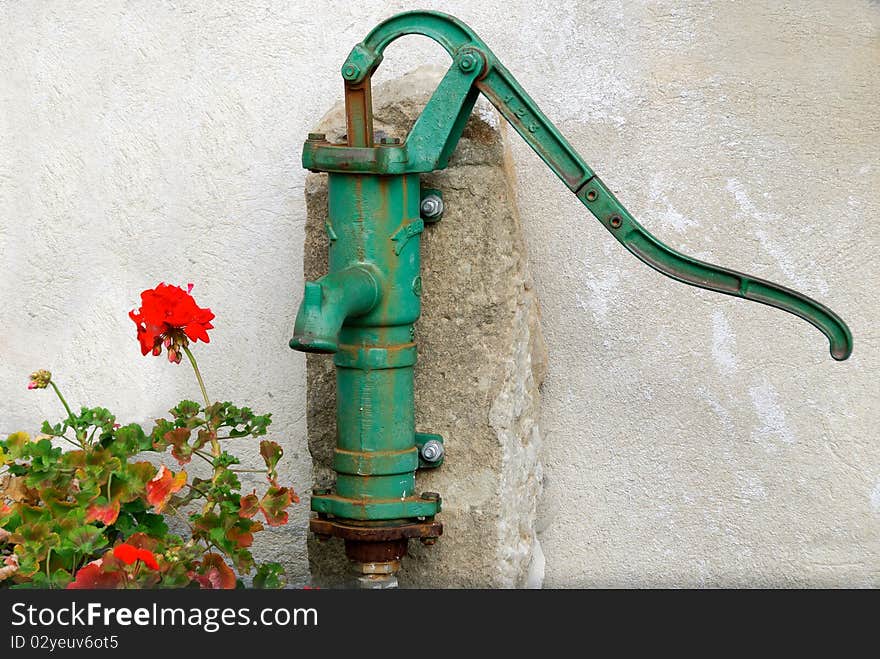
(86, 502)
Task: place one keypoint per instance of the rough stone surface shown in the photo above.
(481, 358)
(688, 438)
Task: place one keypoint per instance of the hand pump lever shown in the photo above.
(365, 308)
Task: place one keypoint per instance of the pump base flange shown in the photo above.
(363, 533)
(367, 544)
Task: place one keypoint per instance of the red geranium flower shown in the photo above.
(128, 554)
(169, 316)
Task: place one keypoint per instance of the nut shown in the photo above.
(431, 206)
(468, 61)
(350, 71)
(432, 451)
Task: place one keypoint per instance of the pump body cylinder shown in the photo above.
(374, 223)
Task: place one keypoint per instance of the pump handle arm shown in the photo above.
(476, 67)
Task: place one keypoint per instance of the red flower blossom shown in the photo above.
(125, 553)
(128, 554)
(148, 558)
(169, 316)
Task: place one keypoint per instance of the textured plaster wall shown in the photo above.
(689, 439)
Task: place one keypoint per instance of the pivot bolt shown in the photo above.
(320, 491)
(317, 137)
(389, 140)
(350, 71)
(430, 496)
(431, 207)
(468, 62)
(432, 451)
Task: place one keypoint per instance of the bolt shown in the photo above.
(432, 450)
(317, 137)
(615, 221)
(468, 61)
(389, 140)
(320, 491)
(591, 195)
(430, 496)
(350, 71)
(432, 206)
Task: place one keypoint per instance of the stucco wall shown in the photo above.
(689, 438)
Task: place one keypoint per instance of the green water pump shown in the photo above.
(364, 310)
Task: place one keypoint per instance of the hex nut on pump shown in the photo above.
(432, 451)
(431, 207)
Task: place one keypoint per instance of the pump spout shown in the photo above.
(328, 303)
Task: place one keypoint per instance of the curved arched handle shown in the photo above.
(596, 196)
(476, 67)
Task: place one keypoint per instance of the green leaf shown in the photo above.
(239, 421)
(129, 440)
(49, 429)
(249, 505)
(131, 481)
(60, 578)
(271, 453)
(157, 435)
(87, 540)
(186, 411)
(269, 576)
(177, 438)
(225, 459)
(226, 482)
(15, 445)
(152, 524)
(274, 504)
(38, 580)
(94, 418)
(44, 456)
(203, 437)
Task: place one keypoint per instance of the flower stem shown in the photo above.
(215, 445)
(192, 360)
(61, 398)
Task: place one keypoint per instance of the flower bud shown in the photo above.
(157, 350)
(40, 379)
(167, 342)
(172, 355)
